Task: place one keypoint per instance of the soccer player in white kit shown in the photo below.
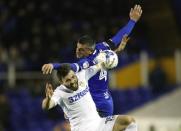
(74, 98)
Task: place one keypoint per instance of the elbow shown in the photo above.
(44, 108)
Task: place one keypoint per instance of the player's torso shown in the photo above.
(79, 106)
(99, 82)
(98, 85)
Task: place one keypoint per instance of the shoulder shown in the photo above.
(81, 74)
(84, 62)
(59, 87)
(62, 89)
(102, 46)
(58, 90)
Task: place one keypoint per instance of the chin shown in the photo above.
(75, 88)
(77, 56)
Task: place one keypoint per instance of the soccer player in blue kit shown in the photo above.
(87, 50)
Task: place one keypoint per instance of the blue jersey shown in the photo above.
(99, 87)
(98, 84)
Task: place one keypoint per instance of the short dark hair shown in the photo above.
(87, 40)
(63, 71)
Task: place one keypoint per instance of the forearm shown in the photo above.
(125, 30)
(47, 104)
(56, 65)
(78, 66)
(118, 51)
(74, 66)
(120, 48)
(93, 70)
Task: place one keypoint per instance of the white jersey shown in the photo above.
(78, 105)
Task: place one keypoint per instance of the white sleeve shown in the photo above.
(56, 97)
(91, 71)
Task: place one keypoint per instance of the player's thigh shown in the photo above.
(122, 121)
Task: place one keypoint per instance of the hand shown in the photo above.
(123, 43)
(47, 68)
(49, 90)
(135, 13)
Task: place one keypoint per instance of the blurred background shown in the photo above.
(146, 84)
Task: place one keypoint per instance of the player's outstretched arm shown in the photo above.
(48, 68)
(135, 14)
(47, 103)
(76, 67)
(122, 45)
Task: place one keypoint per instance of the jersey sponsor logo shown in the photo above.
(109, 118)
(78, 95)
(103, 75)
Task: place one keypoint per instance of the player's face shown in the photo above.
(82, 50)
(70, 81)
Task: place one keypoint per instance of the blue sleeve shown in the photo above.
(73, 66)
(86, 63)
(125, 30)
(81, 64)
(56, 65)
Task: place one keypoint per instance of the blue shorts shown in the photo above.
(105, 107)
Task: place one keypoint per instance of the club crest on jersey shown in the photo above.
(82, 84)
(78, 95)
(85, 64)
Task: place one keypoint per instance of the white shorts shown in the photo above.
(107, 123)
(102, 124)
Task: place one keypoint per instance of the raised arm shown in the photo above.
(47, 102)
(122, 45)
(135, 14)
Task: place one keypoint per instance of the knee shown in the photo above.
(125, 120)
(129, 120)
